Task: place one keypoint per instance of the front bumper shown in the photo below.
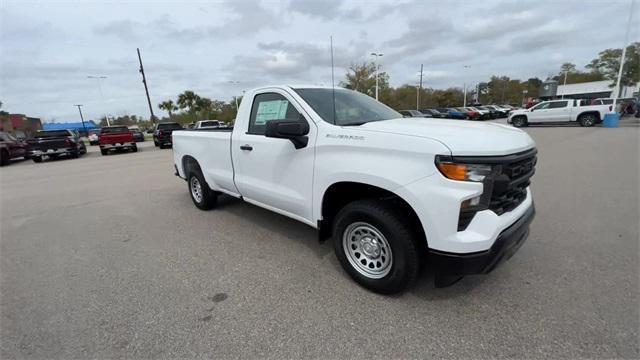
(507, 243)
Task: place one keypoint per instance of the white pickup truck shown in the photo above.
(392, 192)
(559, 111)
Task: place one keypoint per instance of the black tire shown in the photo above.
(396, 230)
(83, 149)
(588, 120)
(134, 148)
(75, 154)
(519, 121)
(161, 146)
(37, 159)
(208, 198)
(104, 152)
(155, 143)
(4, 158)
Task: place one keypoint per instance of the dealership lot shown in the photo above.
(106, 257)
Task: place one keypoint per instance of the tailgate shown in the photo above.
(116, 138)
(46, 144)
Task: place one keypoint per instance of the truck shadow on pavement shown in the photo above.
(293, 230)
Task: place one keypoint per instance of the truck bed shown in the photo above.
(212, 148)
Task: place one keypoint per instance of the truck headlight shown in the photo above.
(480, 173)
(464, 172)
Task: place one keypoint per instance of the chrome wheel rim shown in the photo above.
(367, 250)
(196, 189)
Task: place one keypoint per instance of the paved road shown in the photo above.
(106, 257)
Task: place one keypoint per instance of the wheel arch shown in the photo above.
(339, 194)
(590, 112)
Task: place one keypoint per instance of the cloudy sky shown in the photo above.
(48, 48)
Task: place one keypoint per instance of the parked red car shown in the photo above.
(116, 138)
(11, 148)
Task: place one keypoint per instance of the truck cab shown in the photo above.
(391, 192)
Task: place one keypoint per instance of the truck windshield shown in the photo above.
(52, 133)
(118, 129)
(352, 108)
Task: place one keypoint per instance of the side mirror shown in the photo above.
(296, 131)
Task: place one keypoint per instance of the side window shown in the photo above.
(541, 106)
(558, 104)
(267, 107)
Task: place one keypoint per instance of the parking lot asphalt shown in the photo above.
(106, 257)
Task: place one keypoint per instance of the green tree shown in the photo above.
(608, 64)
(189, 100)
(362, 78)
(169, 106)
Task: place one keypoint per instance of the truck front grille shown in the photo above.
(510, 187)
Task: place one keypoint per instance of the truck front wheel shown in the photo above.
(203, 197)
(376, 246)
(519, 121)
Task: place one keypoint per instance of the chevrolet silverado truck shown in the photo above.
(559, 111)
(393, 193)
(55, 143)
(116, 138)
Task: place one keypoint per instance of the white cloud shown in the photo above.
(48, 48)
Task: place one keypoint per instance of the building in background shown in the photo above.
(588, 90)
(88, 125)
(20, 125)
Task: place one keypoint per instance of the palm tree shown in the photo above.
(169, 106)
(189, 100)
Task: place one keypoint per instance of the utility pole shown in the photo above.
(419, 88)
(82, 118)
(146, 90)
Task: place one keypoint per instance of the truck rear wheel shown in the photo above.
(203, 197)
(4, 157)
(37, 159)
(104, 151)
(134, 148)
(587, 120)
(376, 247)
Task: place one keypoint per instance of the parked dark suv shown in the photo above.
(162, 133)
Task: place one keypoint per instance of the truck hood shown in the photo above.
(461, 137)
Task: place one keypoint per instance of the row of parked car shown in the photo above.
(477, 112)
(51, 144)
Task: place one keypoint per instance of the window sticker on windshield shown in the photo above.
(271, 110)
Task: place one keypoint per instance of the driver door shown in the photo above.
(271, 172)
(538, 113)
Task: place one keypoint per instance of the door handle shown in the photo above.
(246, 147)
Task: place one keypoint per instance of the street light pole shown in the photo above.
(564, 85)
(464, 100)
(98, 78)
(419, 88)
(622, 58)
(235, 97)
(377, 69)
(82, 118)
